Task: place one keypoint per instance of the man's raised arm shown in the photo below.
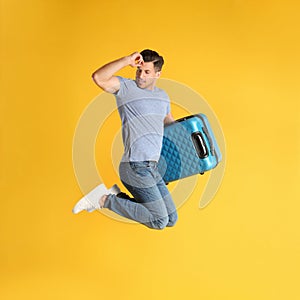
(104, 76)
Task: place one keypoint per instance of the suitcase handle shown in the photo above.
(212, 148)
(200, 145)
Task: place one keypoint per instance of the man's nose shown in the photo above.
(141, 74)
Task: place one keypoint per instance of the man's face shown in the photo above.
(146, 76)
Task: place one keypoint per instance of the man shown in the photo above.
(144, 109)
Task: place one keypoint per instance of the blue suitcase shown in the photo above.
(189, 148)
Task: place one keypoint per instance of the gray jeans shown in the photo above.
(152, 204)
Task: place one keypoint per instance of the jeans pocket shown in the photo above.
(141, 169)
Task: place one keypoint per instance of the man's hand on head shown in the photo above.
(135, 59)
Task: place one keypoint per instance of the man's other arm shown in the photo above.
(168, 119)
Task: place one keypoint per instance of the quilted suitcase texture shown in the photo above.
(189, 148)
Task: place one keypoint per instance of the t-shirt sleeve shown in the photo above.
(123, 87)
(168, 107)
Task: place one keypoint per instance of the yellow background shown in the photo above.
(243, 57)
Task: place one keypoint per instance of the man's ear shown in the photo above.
(158, 74)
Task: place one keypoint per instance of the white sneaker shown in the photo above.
(113, 190)
(90, 202)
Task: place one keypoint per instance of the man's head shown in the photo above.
(149, 71)
(152, 56)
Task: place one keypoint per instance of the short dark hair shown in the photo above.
(152, 56)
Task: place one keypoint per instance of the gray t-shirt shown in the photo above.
(142, 112)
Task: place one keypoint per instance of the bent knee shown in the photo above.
(160, 223)
(172, 220)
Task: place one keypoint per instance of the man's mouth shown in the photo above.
(140, 81)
